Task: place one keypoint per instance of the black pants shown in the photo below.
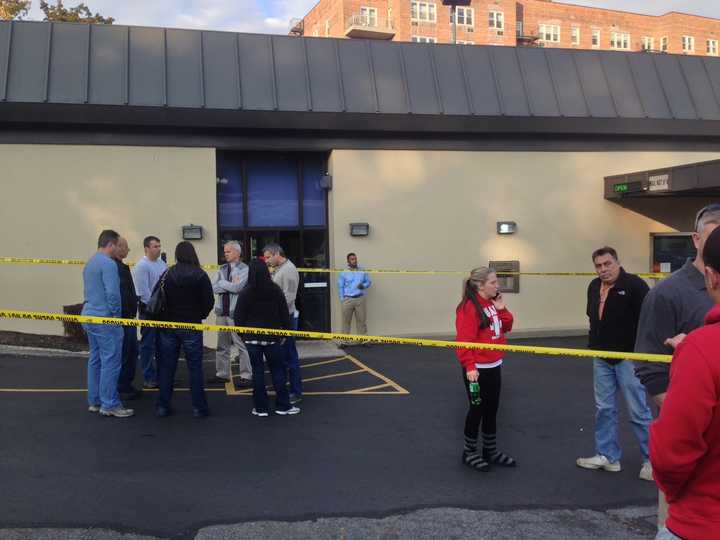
(490, 381)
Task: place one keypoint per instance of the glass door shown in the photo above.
(266, 198)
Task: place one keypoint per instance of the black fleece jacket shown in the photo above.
(266, 311)
(618, 326)
(189, 294)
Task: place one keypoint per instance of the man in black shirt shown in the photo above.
(614, 300)
(129, 301)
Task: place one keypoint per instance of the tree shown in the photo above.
(80, 14)
(14, 9)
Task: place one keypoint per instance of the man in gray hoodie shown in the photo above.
(286, 275)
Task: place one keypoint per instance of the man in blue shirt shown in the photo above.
(146, 274)
(352, 287)
(101, 284)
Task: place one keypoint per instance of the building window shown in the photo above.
(424, 39)
(519, 28)
(688, 44)
(496, 19)
(327, 28)
(423, 12)
(711, 47)
(648, 43)
(620, 41)
(463, 42)
(596, 39)
(575, 35)
(664, 44)
(550, 32)
(368, 16)
(465, 16)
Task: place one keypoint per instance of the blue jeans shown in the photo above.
(170, 343)
(609, 382)
(275, 356)
(292, 360)
(129, 359)
(149, 351)
(104, 364)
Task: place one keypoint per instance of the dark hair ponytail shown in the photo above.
(470, 295)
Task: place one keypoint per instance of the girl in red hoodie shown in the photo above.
(482, 317)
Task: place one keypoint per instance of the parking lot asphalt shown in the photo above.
(345, 455)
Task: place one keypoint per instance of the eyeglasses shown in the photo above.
(714, 207)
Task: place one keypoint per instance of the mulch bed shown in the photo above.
(21, 339)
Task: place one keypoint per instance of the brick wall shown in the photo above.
(532, 13)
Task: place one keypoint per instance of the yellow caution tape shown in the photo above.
(552, 351)
(78, 262)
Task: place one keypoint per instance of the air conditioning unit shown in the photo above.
(413, 23)
(469, 29)
(500, 33)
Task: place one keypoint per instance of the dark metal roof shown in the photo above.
(700, 179)
(74, 73)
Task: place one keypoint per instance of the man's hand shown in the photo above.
(659, 399)
(472, 376)
(675, 341)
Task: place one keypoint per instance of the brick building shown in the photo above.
(513, 22)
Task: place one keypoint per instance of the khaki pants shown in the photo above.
(225, 344)
(355, 306)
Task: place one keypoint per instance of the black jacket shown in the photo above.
(267, 312)
(618, 326)
(189, 294)
(128, 296)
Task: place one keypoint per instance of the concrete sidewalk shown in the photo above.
(635, 523)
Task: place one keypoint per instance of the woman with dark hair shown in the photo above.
(262, 304)
(189, 298)
(481, 317)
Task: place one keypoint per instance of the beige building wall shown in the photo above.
(438, 210)
(56, 200)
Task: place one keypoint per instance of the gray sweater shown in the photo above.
(286, 275)
(678, 304)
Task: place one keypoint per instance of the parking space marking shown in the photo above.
(77, 390)
(394, 389)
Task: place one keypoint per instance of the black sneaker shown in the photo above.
(217, 380)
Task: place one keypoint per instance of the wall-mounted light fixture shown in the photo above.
(192, 232)
(359, 229)
(506, 227)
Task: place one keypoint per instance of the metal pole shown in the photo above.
(453, 14)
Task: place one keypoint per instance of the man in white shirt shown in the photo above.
(146, 274)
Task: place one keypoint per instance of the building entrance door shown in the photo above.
(266, 198)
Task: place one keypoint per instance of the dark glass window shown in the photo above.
(313, 194)
(230, 194)
(272, 193)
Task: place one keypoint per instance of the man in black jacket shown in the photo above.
(129, 302)
(614, 300)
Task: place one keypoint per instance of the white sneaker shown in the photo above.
(291, 410)
(117, 412)
(94, 408)
(598, 462)
(255, 412)
(646, 472)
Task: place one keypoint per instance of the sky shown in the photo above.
(273, 16)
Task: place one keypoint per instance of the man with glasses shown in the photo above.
(670, 311)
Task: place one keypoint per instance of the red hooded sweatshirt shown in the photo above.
(685, 439)
(467, 325)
